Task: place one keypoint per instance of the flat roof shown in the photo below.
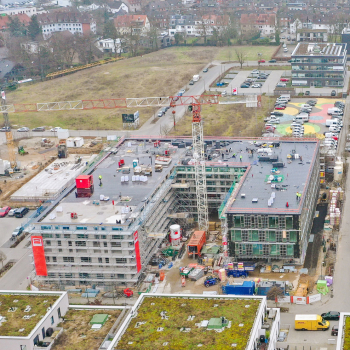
(77, 323)
(22, 312)
(252, 193)
(319, 49)
(181, 321)
(131, 194)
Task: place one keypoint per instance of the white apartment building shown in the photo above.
(29, 11)
(108, 45)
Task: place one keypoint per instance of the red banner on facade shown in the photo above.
(39, 256)
(137, 251)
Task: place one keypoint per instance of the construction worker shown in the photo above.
(297, 194)
(234, 155)
(100, 178)
(240, 157)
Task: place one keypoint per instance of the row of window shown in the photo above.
(262, 221)
(80, 236)
(286, 250)
(83, 259)
(81, 228)
(85, 275)
(264, 236)
(83, 244)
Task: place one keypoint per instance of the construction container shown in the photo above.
(244, 288)
(84, 192)
(265, 286)
(196, 243)
(84, 181)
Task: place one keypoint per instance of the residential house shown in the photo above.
(134, 5)
(296, 6)
(182, 24)
(135, 23)
(158, 13)
(74, 22)
(29, 11)
(109, 45)
(211, 23)
(264, 23)
(118, 6)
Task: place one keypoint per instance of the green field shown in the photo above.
(160, 73)
(251, 53)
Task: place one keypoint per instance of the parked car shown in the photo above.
(331, 315)
(17, 231)
(12, 212)
(256, 85)
(284, 79)
(23, 129)
(182, 91)
(333, 93)
(334, 330)
(281, 85)
(245, 86)
(224, 93)
(191, 82)
(274, 121)
(272, 61)
(39, 128)
(5, 129)
(277, 114)
(307, 93)
(211, 281)
(160, 113)
(205, 70)
(254, 71)
(280, 107)
(4, 211)
(261, 61)
(55, 129)
(311, 102)
(19, 213)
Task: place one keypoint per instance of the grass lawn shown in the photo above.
(265, 66)
(228, 53)
(78, 335)
(178, 311)
(229, 120)
(14, 319)
(160, 73)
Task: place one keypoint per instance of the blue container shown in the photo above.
(245, 288)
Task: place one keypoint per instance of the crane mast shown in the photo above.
(199, 167)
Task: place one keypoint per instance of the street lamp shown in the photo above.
(259, 58)
(322, 267)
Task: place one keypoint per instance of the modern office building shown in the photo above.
(319, 65)
(147, 185)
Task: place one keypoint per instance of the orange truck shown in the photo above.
(196, 243)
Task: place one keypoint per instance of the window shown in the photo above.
(100, 260)
(68, 259)
(59, 243)
(117, 236)
(66, 235)
(80, 243)
(107, 260)
(105, 244)
(46, 227)
(47, 242)
(82, 236)
(85, 259)
(70, 243)
(96, 244)
(47, 258)
(52, 320)
(116, 244)
(81, 228)
(65, 228)
(120, 260)
(57, 234)
(54, 259)
(120, 275)
(47, 235)
(97, 236)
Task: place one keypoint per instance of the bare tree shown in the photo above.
(274, 293)
(2, 258)
(165, 130)
(63, 49)
(241, 56)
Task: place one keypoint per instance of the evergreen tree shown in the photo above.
(15, 26)
(34, 28)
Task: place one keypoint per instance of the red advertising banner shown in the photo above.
(137, 251)
(39, 256)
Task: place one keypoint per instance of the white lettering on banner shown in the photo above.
(314, 298)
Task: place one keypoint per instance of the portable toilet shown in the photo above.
(135, 163)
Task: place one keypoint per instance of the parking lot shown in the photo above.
(8, 224)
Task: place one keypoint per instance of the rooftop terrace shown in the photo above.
(317, 49)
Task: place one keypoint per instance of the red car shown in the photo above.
(280, 107)
(284, 79)
(4, 211)
(261, 61)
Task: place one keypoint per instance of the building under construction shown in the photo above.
(146, 185)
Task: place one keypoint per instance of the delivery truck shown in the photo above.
(310, 323)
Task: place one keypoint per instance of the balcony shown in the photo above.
(47, 343)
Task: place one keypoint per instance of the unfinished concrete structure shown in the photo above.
(110, 242)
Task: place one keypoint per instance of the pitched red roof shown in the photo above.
(126, 20)
(4, 20)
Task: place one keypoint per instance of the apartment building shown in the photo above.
(319, 64)
(74, 22)
(109, 239)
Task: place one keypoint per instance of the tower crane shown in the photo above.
(173, 101)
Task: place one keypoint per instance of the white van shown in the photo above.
(332, 122)
(195, 78)
(329, 135)
(334, 128)
(285, 96)
(333, 110)
(301, 117)
(305, 105)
